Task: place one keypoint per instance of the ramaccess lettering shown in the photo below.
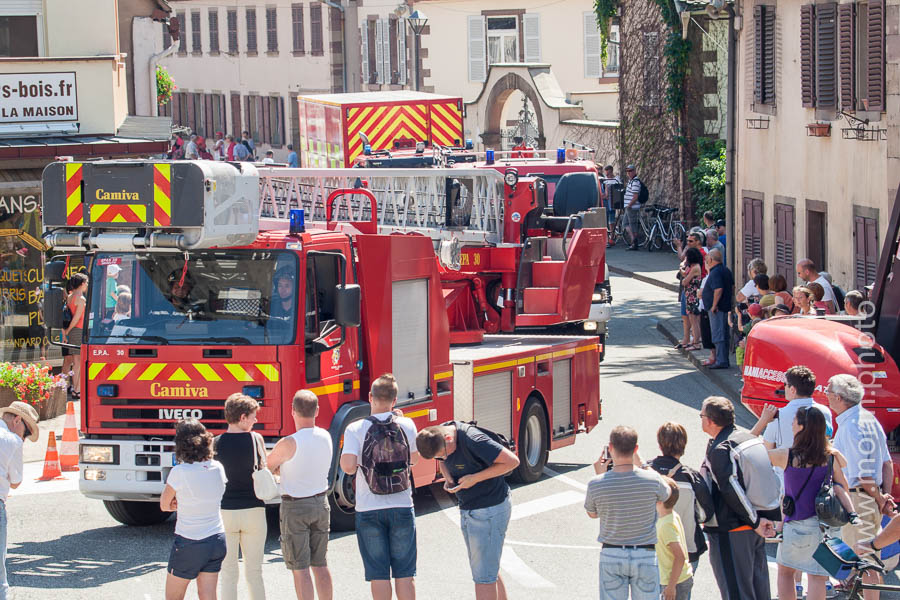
(765, 374)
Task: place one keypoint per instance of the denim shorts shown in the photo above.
(799, 542)
(387, 543)
(188, 558)
(484, 530)
(629, 570)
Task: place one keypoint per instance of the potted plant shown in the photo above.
(818, 129)
(33, 383)
(165, 86)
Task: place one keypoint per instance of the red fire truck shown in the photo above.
(227, 295)
(867, 347)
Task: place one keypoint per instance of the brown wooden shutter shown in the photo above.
(753, 229)
(784, 242)
(865, 246)
(236, 115)
(807, 55)
(769, 58)
(826, 55)
(758, 59)
(847, 55)
(265, 120)
(191, 116)
(875, 58)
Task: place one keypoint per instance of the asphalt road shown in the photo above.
(62, 545)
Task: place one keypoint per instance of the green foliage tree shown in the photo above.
(708, 178)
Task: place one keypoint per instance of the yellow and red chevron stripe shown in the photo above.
(384, 124)
(211, 372)
(162, 195)
(74, 206)
(446, 124)
(118, 213)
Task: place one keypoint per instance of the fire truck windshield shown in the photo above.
(209, 297)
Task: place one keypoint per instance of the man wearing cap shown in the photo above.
(633, 205)
(112, 295)
(18, 422)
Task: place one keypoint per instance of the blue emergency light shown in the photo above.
(469, 145)
(489, 156)
(254, 391)
(298, 221)
(560, 155)
(367, 149)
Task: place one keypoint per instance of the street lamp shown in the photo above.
(417, 21)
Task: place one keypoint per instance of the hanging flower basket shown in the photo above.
(33, 383)
(165, 86)
(818, 129)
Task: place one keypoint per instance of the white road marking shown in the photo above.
(510, 562)
(565, 479)
(31, 471)
(547, 503)
(562, 546)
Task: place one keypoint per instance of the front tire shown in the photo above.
(342, 501)
(136, 514)
(534, 443)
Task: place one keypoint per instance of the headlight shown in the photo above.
(511, 177)
(590, 325)
(98, 454)
(596, 297)
(94, 475)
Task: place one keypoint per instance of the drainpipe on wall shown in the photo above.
(154, 61)
(343, 39)
(729, 143)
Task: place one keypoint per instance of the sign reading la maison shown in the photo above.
(38, 97)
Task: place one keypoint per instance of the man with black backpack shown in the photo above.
(636, 196)
(380, 450)
(474, 461)
(741, 481)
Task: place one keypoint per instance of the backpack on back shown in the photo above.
(689, 509)
(644, 194)
(384, 459)
(761, 488)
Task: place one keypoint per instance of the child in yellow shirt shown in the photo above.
(675, 575)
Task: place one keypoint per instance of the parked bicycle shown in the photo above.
(664, 228)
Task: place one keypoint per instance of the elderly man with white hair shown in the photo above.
(860, 438)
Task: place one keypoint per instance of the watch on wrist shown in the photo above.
(872, 545)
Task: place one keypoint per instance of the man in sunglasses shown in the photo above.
(18, 422)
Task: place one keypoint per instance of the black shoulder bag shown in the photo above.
(828, 506)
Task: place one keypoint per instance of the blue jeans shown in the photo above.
(623, 570)
(484, 530)
(387, 543)
(718, 328)
(4, 586)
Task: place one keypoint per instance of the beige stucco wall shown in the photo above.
(261, 74)
(101, 88)
(81, 27)
(782, 160)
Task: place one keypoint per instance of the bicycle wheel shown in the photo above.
(654, 240)
(618, 232)
(678, 233)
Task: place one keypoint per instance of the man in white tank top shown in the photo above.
(304, 459)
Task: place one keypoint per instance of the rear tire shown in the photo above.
(678, 233)
(534, 443)
(655, 241)
(136, 514)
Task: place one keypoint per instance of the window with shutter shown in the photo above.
(272, 29)
(379, 51)
(167, 35)
(753, 229)
(591, 46)
(297, 27)
(236, 114)
(784, 242)
(213, 16)
(386, 50)
(364, 45)
(847, 55)
(817, 233)
(182, 38)
(865, 243)
(392, 51)
(764, 72)
(232, 32)
(196, 43)
(531, 24)
(316, 35)
(826, 55)
(371, 47)
(251, 31)
(611, 68)
(651, 69)
(401, 51)
(807, 55)
(875, 56)
(477, 50)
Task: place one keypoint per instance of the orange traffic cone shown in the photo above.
(68, 449)
(51, 461)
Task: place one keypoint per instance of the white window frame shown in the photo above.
(503, 33)
(39, 23)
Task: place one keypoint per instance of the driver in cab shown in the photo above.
(181, 284)
(283, 302)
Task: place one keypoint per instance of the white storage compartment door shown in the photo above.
(409, 338)
(493, 402)
(562, 395)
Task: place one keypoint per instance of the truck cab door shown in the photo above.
(330, 363)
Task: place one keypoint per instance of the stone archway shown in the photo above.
(497, 98)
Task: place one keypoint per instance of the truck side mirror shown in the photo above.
(54, 298)
(347, 305)
(55, 271)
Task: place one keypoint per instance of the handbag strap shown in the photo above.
(259, 454)
(674, 470)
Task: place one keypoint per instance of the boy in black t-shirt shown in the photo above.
(473, 466)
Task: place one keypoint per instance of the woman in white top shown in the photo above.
(194, 488)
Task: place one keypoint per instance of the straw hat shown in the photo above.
(28, 414)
